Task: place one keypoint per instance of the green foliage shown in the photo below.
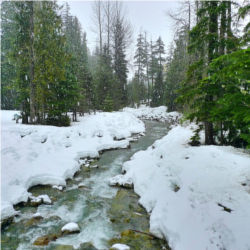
(195, 139)
(61, 121)
(158, 90)
(177, 65)
(230, 75)
(108, 104)
(8, 71)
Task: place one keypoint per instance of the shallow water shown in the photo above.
(101, 213)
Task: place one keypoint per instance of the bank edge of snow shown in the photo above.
(157, 113)
(34, 154)
(208, 176)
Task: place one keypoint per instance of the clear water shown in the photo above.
(88, 206)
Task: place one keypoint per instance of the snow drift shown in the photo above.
(197, 197)
(34, 154)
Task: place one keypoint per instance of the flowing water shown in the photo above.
(104, 214)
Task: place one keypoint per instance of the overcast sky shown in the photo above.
(147, 16)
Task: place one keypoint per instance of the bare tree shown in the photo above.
(98, 20)
(109, 16)
(183, 16)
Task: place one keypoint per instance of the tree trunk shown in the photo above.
(222, 28)
(212, 51)
(209, 133)
(32, 85)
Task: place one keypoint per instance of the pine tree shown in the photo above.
(21, 56)
(139, 64)
(211, 37)
(120, 62)
(8, 69)
(158, 87)
(152, 65)
(177, 64)
(104, 81)
(50, 71)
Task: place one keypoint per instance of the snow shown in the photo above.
(157, 113)
(48, 155)
(60, 188)
(121, 180)
(37, 215)
(70, 227)
(188, 191)
(119, 246)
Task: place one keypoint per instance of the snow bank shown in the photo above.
(34, 154)
(158, 113)
(198, 197)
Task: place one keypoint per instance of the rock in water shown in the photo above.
(44, 240)
(37, 216)
(121, 181)
(119, 246)
(70, 228)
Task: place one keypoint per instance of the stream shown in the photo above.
(104, 214)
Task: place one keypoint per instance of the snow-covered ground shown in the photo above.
(197, 197)
(158, 113)
(34, 154)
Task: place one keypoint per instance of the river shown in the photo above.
(104, 214)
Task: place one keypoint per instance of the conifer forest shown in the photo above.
(48, 70)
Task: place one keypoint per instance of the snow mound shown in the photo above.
(70, 227)
(48, 155)
(158, 113)
(119, 246)
(198, 197)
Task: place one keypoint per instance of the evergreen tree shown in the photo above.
(104, 80)
(152, 63)
(211, 37)
(119, 61)
(139, 64)
(21, 56)
(158, 87)
(177, 64)
(8, 69)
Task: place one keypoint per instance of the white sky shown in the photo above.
(147, 16)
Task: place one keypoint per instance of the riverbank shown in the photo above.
(35, 154)
(197, 197)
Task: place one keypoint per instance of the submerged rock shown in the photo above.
(33, 221)
(6, 222)
(138, 241)
(87, 246)
(63, 247)
(44, 240)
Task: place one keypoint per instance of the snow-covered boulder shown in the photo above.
(121, 181)
(37, 216)
(37, 200)
(70, 228)
(119, 246)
